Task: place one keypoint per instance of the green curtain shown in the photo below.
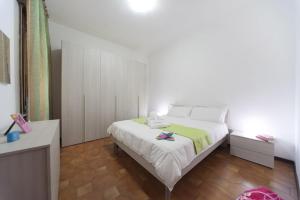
(38, 60)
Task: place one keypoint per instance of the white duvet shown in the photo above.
(167, 157)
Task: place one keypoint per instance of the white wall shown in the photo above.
(297, 118)
(59, 32)
(246, 63)
(9, 93)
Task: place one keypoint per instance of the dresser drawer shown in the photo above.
(263, 159)
(252, 145)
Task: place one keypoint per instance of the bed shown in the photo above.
(168, 161)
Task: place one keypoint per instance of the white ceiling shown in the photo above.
(113, 19)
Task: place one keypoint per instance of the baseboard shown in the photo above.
(285, 160)
(297, 182)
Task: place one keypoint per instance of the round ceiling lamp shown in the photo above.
(142, 6)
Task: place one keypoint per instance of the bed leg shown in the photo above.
(225, 143)
(116, 148)
(167, 193)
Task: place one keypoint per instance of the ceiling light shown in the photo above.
(142, 6)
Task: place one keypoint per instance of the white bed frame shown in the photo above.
(149, 167)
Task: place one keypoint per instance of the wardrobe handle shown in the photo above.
(84, 116)
(116, 108)
(138, 107)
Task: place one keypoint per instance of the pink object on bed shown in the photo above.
(261, 193)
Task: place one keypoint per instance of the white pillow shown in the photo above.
(179, 111)
(214, 114)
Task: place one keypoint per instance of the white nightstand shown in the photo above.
(252, 149)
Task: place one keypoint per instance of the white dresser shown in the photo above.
(252, 149)
(29, 167)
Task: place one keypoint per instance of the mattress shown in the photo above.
(168, 158)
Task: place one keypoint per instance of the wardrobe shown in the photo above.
(98, 88)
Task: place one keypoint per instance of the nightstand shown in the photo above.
(252, 149)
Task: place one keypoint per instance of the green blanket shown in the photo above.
(141, 120)
(199, 137)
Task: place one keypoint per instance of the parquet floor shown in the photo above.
(92, 171)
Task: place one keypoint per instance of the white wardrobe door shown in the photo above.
(132, 90)
(72, 94)
(121, 88)
(142, 88)
(136, 89)
(108, 91)
(92, 93)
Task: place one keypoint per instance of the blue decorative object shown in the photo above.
(13, 136)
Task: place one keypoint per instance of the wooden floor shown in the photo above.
(91, 171)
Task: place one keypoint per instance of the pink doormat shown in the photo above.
(261, 193)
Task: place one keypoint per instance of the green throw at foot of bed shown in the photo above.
(199, 137)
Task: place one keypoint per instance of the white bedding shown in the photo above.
(167, 157)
